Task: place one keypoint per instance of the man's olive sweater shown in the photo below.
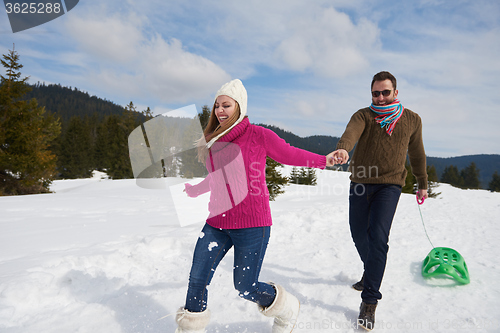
(380, 158)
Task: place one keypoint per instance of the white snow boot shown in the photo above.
(191, 322)
(284, 309)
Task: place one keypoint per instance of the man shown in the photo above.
(384, 132)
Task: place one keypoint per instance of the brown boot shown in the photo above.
(366, 317)
(359, 286)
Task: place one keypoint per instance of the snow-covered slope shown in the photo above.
(108, 256)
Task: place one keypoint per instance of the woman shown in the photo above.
(240, 216)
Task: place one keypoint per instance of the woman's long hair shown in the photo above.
(214, 128)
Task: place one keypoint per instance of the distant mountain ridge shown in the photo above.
(486, 163)
(67, 102)
(319, 144)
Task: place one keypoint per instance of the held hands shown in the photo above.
(339, 156)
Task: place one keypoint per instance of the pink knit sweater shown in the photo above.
(237, 175)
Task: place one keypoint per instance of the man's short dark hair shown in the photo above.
(382, 76)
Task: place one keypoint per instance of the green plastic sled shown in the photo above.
(443, 260)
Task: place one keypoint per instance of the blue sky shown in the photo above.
(307, 65)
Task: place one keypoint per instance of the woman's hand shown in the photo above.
(187, 188)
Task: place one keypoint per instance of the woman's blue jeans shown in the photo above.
(250, 246)
(371, 211)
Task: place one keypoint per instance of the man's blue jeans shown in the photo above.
(250, 246)
(371, 211)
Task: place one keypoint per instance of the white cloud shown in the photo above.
(177, 72)
(122, 58)
(112, 38)
(290, 35)
(328, 43)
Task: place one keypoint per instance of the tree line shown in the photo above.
(95, 142)
(468, 178)
(67, 141)
(486, 163)
(37, 147)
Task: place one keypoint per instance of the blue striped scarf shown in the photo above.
(388, 115)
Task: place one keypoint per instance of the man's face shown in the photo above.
(382, 88)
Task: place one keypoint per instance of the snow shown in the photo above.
(102, 255)
(212, 245)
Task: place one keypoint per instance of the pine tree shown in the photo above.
(470, 176)
(494, 184)
(27, 166)
(294, 176)
(92, 123)
(410, 181)
(189, 165)
(303, 176)
(309, 176)
(112, 143)
(148, 114)
(275, 181)
(76, 150)
(452, 176)
(204, 116)
(432, 180)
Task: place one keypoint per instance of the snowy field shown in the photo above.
(108, 256)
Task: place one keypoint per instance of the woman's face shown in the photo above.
(225, 107)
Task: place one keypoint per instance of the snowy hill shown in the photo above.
(107, 256)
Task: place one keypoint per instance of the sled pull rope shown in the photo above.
(420, 202)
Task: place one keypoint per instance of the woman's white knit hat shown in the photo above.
(236, 91)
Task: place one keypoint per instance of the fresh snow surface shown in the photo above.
(102, 255)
